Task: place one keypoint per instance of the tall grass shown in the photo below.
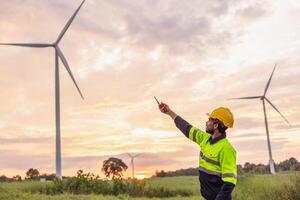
(291, 191)
(282, 186)
(271, 187)
(258, 187)
(89, 184)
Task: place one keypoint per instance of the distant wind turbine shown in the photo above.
(58, 54)
(264, 98)
(132, 161)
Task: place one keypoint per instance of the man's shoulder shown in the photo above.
(227, 146)
(193, 128)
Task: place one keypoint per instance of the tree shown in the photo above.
(290, 164)
(240, 169)
(32, 173)
(260, 169)
(48, 177)
(3, 178)
(162, 173)
(114, 167)
(249, 167)
(17, 178)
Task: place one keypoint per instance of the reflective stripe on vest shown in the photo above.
(194, 135)
(209, 160)
(209, 171)
(227, 175)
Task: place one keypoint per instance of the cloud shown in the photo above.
(192, 55)
(254, 12)
(26, 140)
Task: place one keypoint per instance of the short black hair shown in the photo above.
(221, 127)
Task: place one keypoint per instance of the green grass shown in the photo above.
(249, 187)
(190, 183)
(262, 186)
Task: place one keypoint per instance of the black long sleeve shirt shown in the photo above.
(212, 187)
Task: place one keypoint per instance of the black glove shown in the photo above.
(225, 192)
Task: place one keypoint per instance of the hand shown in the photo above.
(164, 108)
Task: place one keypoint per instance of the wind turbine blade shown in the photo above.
(138, 154)
(252, 97)
(127, 153)
(269, 81)
(64, 61)
(34, 45)
(68, 23)
(130, 155)
(278, 111)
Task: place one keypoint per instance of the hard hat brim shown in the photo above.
(208, 114)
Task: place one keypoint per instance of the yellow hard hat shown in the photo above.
(224, 115)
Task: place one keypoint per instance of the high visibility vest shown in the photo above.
(216, 159)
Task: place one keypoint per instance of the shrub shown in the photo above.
(91, 184)
(291, 191)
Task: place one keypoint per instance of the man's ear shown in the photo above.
(216, 126)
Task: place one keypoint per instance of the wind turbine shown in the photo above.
(132, 161)
(58, 55)
(263, 98)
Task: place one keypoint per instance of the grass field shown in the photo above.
(249, 187)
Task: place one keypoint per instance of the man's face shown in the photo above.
(210, 126)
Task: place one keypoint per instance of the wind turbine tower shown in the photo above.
(132, 161)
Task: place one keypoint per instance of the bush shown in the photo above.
(91, 184)
(291, 191)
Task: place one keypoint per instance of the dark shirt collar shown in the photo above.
(213, 141)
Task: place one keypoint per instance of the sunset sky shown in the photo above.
(192, 55)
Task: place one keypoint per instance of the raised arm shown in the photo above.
(180, 123)
(186, 128)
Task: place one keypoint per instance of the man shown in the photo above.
(217, 159)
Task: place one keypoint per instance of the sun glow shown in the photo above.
(140, 176)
